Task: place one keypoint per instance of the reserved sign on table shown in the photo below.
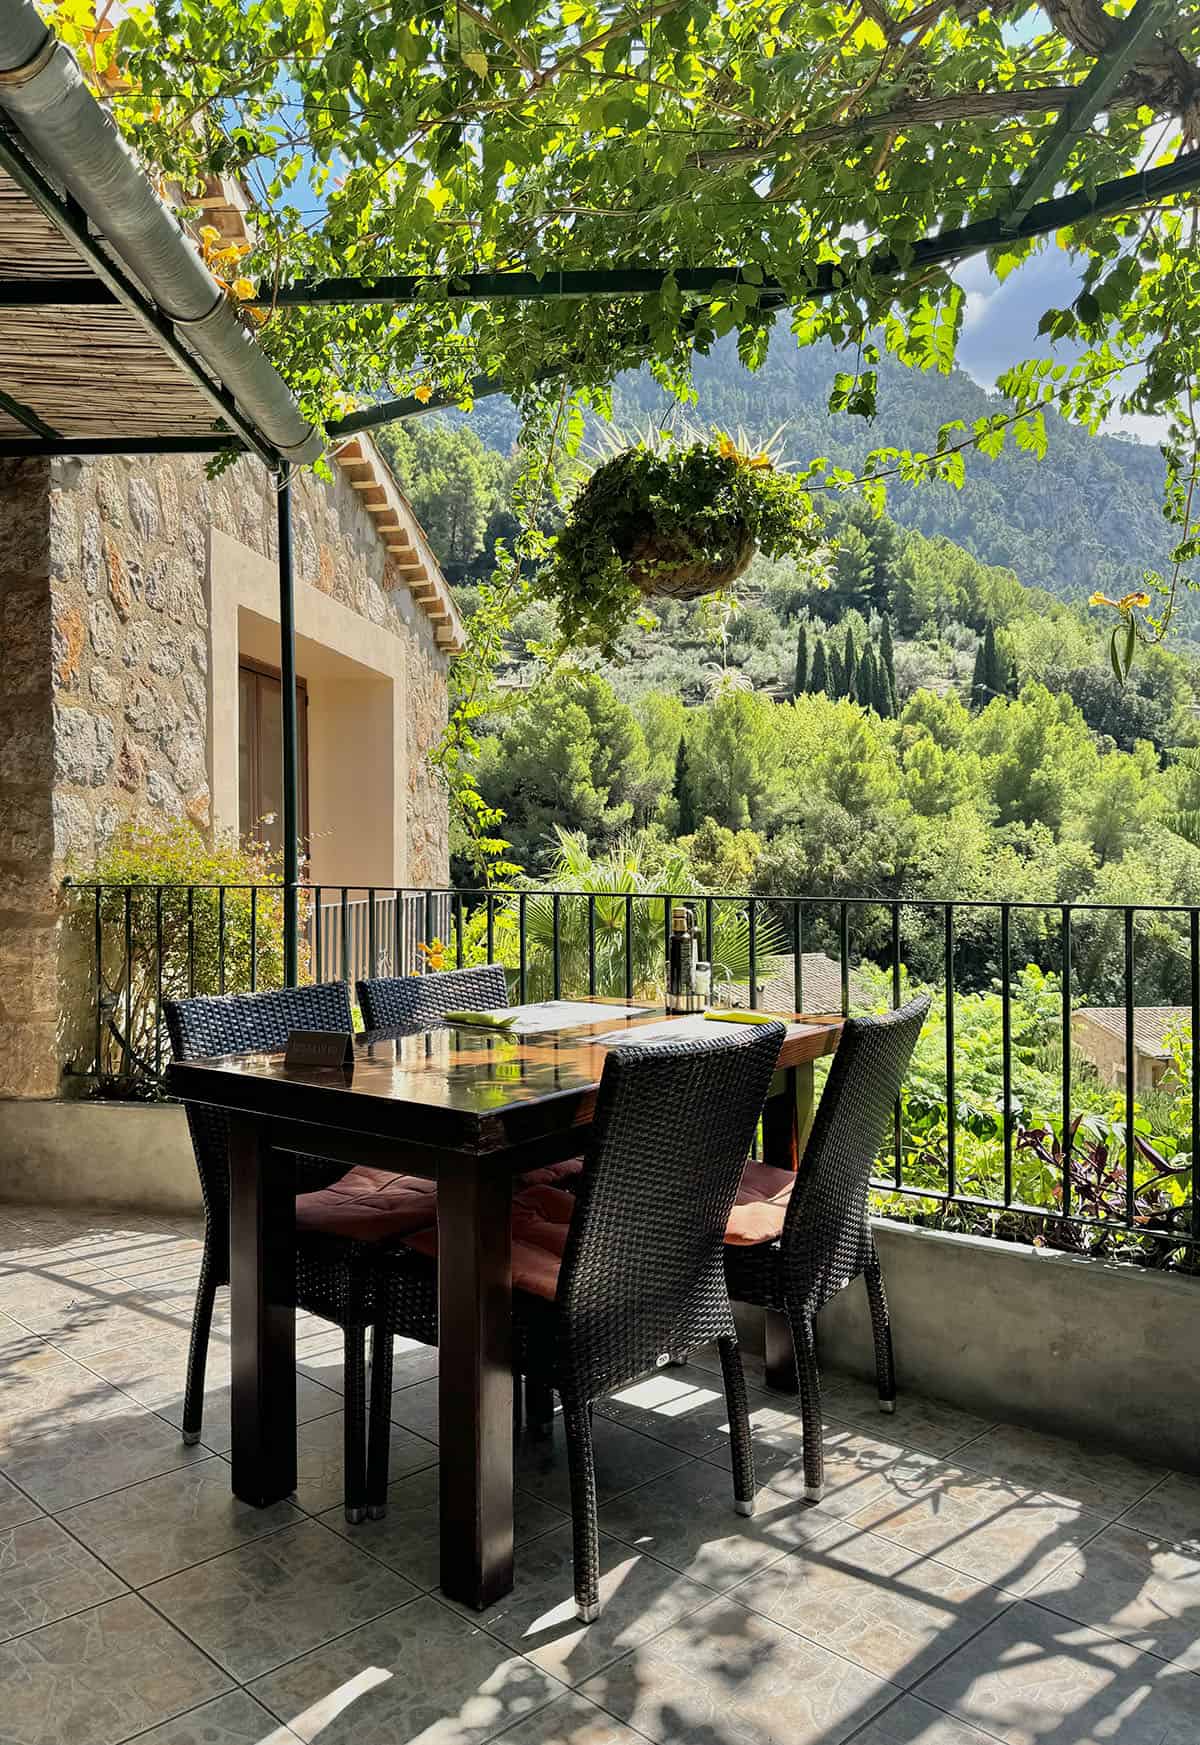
(333, 1049)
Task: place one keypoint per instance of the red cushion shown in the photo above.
(369, 1204)
(541, 1217)
(555, 1175)
(761, 1205)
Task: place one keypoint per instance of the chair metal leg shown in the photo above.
(810, 1407)
(881, 1328)
(581, 1464)
(193, 1396)
(354, 1419)
(741, 1443)
(379, 1424)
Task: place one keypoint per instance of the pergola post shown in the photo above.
(291, 769)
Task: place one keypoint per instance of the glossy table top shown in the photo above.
(476, 1077)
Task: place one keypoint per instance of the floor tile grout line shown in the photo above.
(1053, 1611)
(184, 1568)
(206, 1453)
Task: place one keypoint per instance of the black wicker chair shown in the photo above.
(610, 1279)
(390, 1000)
(341, 1215)
(794, 1241)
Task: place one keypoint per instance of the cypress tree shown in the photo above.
(849, 666)
(864, 678)
(685, 794)
(887, 662)
(800, 679)
(981, 695)
(820, 671)
(884, 703)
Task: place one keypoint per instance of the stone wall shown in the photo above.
(104, 612)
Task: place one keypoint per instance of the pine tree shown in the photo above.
(864, 678)
(820, 671)
(887, 662)
(849, 667)
(882, 694)
(685, 793)
(800, 680)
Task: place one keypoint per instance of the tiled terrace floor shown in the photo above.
(963, 1582)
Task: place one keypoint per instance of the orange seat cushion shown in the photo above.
(541, 1217)
(371, 1205)
(761, 1205)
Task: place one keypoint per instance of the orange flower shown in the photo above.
(423, 393)
(244, 289)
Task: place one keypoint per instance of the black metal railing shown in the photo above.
(1022, 1113)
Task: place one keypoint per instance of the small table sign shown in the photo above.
(320, 1048)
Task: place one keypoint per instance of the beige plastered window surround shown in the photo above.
(355, 672)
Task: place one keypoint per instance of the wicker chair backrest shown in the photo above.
(389, 1000)
(238, 1024)
(826, 1238)
(642, 1271)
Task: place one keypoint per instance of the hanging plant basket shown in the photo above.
(670, 523)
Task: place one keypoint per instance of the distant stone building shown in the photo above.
(139, 679)
(1098, 1033)
(821, 985)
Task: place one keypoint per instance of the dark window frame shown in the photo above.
(249, 738)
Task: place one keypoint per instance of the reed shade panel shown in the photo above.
(88, 371)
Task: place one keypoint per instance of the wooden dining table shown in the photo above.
(472, 1109)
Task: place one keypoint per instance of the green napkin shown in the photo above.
(742, 1017)
(484, 1020)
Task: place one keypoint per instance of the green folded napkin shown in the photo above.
(484, 1020)
(741, 1017)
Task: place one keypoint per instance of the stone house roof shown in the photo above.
(821, 979)
(1150, 1025)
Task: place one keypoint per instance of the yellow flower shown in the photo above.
(434, 954)
(209, 234)
(727, 449)
(1101, 600)
(244, 289)
(1128, 600)
(423, 393)
(759, 461)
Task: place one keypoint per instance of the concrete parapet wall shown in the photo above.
(109, 1154)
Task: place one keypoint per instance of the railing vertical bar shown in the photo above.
(556, 929)
(1194, 933)
(1066, 1147)
(752, 941)
(459, 931)
(591, 942)
(191, 940)
(1130, 1073)
(951, 1097)
(844, 954)
(221, 940)
(345, 929)
(897, 1117)
(709, 936)
(668, 910)
(372, 939)
(254, 938)
(628, 946)
(1006, 1047)
(98, 927)
(320, 942)
(429, 918)
(158, 979)
(797, 966)
(397, 932)
(128, 980)
(491, 927)
(522, 971)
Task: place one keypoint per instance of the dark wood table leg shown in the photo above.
(787, 1119)
(262, 1290)
(475, 1405)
